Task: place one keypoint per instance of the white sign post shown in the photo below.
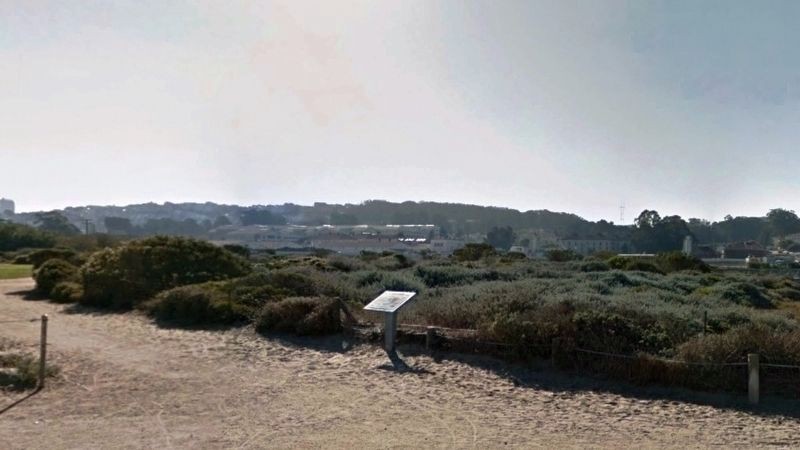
(389, 303)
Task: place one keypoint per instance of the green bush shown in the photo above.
(240, 250)
(634, 264)
(67, 292)
(51, 273)
(643, 266)
(773, 346)
(300, 315)
(676, 261)
(197, 304)
(15, 236)
(39, 257)
(124, 276)
(474, 252)
(594, 266)
(559, 255)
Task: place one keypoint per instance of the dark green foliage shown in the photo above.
(789, 293)
(634, 263)
(118, 225)
(501, 237)
(39, 257)
(342, 264)
(124, 276)
(594, 266)
(773, 346)
(52, 272)
(643, 266)
(559, 255)
(742, 293)
(55, 222)
(240, 250)
(254, 216)
(221, 221)
(676, 261)
(783, 222)
(511, 257)
(300, 315)
(474, 252)
(67, 292)
(600, 330)
(437, 276)
(170, 227)
(14, 237)
(338, 218)
(656, 234)
(197, 304)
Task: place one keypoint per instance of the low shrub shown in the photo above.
(439, 276)
(594, 266)
(26, 368)
(39, 257)
(124, 276)
(734, 346)
(237, 249)
(67, 292)
(198, 304)
(789, 293)
(52, 272)
(474, 252)
(742, 293)
(643, 266)
(676, 261)
(300, 315)
(559, 255)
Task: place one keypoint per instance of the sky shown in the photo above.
(686, 107)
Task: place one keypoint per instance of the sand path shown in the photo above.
(126, 383)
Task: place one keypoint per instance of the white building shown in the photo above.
(6, 206)
(589, 246)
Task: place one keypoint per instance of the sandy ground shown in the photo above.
(126, 383)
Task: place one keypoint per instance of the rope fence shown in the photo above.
(664, 360)
(772, 377)
(19, 320)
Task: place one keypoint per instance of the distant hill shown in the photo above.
(452, 217)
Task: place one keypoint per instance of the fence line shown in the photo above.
(19, 320)
(665, 360)
(469, 336)
(781, 366)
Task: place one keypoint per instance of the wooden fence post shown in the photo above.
(752, 384)
(705, 322)
(43, 353)
(430, 336)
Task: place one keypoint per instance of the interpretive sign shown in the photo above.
(390, 301)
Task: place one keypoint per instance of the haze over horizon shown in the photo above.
(688, 108)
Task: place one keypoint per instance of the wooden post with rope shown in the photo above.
(43, 353)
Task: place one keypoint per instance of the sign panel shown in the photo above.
(390, 301)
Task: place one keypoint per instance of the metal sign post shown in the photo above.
(389, 303)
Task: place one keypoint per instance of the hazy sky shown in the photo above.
(691, 108)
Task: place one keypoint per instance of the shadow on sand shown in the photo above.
(541, 375)
(29, 294)
(397, 364)
(7, 408)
